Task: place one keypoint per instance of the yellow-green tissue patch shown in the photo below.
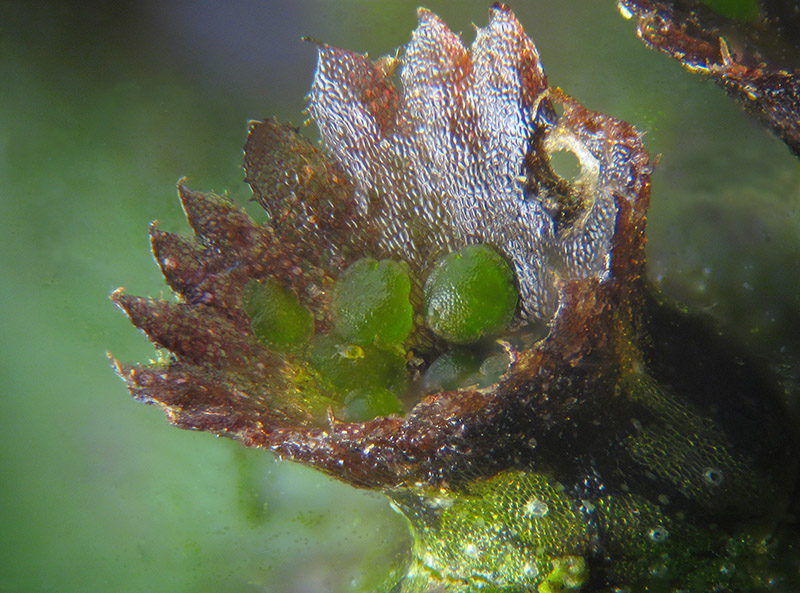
(470, 294)
(515, 532)
(277, 317)
(371, 302)
(349, 367)
(569, 573)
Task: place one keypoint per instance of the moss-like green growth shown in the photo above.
(682, 446)
(277, 317)
(470, 294)
(651, 548)
(513, 532)
(350, 367)
(371, 302)
(361, 405)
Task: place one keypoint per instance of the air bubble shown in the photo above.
(471, 551)
(658, 534)
(536, 508)
(530, 571)
(713, 476)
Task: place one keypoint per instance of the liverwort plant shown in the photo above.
(432, 312)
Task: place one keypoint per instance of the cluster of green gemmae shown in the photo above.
(362, 362)
(379, 327)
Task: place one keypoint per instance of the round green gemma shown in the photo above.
(371, 302)
(450, 370)
(460, 368)
(365, 404)
(470, 294)
(492, 369)
(277, 317)
(350, 367)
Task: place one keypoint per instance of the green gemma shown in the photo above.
(277, 317)
(349, 367)
(371, 302)
(470, 294)
(365, 404)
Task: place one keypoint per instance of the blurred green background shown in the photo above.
(103, 106)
